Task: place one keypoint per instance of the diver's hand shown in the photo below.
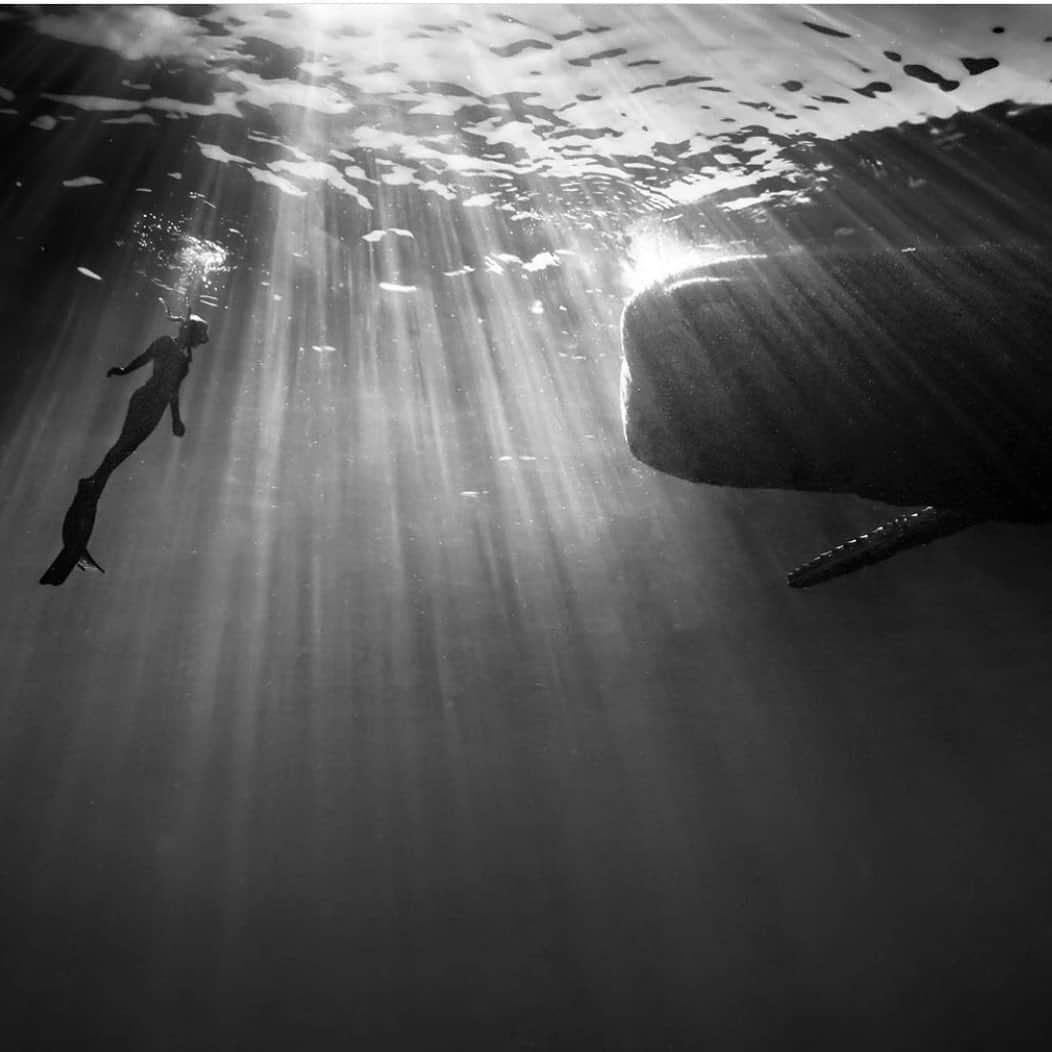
(115, 371)
(178, 428)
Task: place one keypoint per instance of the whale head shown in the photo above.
(918, 379)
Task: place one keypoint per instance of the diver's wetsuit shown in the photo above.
(171, 362)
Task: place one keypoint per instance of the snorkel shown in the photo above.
(192, 328)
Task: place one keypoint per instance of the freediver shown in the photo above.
(171, 358)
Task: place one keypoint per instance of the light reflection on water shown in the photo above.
(406, 688)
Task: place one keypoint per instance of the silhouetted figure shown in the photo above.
(171, 362)
(76, 532)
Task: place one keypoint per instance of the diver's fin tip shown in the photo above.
(53, 575)
(86, 562)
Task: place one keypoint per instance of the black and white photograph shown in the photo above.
(526, 527)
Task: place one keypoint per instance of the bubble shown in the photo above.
(190, 263)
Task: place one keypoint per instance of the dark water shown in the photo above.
(410, 710)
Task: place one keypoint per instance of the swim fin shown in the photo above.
(86, 562)
(76, 531)
(61, 568)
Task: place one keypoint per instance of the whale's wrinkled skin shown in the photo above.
(919, 378)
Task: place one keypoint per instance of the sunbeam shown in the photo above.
(441, 686)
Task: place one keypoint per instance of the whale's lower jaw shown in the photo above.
(882, 542)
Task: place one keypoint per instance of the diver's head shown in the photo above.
(194, 331)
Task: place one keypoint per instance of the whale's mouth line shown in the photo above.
(880, 543)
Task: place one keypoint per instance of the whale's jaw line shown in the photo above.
(880, 543)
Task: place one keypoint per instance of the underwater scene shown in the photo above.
(527, 526)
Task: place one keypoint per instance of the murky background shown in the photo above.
(411, 710)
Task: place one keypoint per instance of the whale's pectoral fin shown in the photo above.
(86, 562)
(882, 542)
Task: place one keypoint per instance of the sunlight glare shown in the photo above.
(655, 255)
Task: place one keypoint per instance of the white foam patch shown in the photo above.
(7, 94)
(94, 103)
(216, 153)
(224, 104)
(315, 70)
(82, 180)
(261, 175)
(412, 148)
(135, 31)
(433, 186)
(378, 235)
(44, 122)
(541, 261)
(268, 93)
(437, 105)
(398, 175)
(135, 118)
(319, 171)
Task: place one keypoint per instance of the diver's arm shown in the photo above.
(178, 427)
(137, 363)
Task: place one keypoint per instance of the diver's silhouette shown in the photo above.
(76, 532)
(171, 362)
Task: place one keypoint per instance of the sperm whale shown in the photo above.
(921, 379)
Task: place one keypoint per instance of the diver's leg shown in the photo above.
(144, 413)
(178, 427)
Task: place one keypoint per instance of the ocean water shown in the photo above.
(411, 711)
